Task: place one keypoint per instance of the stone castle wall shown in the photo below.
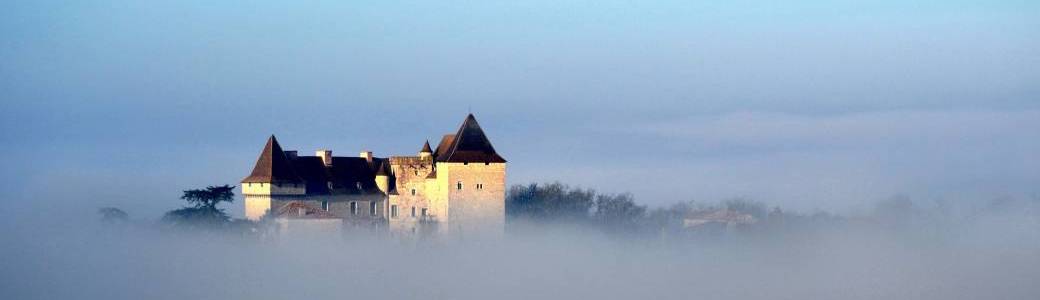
(478, 207)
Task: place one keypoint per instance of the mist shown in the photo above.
(924, 252)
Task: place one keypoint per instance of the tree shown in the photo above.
(203, 211)
(210, 196)
(618, 212)
(549, 202)
(112, 215)
(743, 205)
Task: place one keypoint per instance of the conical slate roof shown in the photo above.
(381, 170)
(273, 166)
(426, 148)
(469, 144)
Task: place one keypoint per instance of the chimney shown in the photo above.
(290, 154)
(326, 156)
(367, 155)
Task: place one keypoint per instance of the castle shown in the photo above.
(456, 189)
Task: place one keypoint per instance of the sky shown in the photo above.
(809, 105)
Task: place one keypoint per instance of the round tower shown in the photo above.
(426, 153)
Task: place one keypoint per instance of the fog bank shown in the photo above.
(991, 256)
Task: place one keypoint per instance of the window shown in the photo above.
(249, 184)
(480, 186)
(353, 207)
(413, 211)
(393, 211)
(359, 185)
(424, 211)
(465, 163)
(372, 208)
(458, 186)
(416, 172)
(325, 205)
(413, 192)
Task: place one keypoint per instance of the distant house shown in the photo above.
(722, 218)
(457, 188)
(298, 218)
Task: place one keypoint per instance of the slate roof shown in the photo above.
(342, 177)
(273, 166)
(444, 145)
(469, 144)
(426, 148)
(299, 210)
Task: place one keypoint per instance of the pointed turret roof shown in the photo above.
(381, 170)
(469, 144)
(273, 166)
(426, 148)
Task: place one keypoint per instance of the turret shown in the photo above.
(426, 152)
(273, 175)
(383, 179)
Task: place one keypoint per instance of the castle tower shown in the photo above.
(426, 152)
(471, 182)
(273, 175)
(383, 179)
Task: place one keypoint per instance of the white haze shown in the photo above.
(991, 255)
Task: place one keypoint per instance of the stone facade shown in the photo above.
(456, 190)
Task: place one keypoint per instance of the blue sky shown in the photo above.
(804, 104)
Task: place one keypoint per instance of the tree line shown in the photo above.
(558, 203)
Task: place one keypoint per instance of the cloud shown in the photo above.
(867, 129)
